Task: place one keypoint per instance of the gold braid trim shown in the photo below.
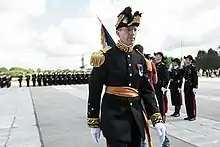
(123, 47)
(136, 19)
(98, 58)
(147, 130)
(120, 18)
(93, 122)
(156, 118)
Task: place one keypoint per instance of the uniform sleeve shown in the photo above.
(194, 77)
(148, 96)
(165, 76)
(96, 83)
(180, 79)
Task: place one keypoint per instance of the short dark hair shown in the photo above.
(139, 47)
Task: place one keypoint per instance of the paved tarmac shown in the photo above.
(61, 118)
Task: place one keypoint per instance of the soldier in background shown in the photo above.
(39, 79)
(176, 81)
(8, 83)
(50, 79)
(153, 73)
(20, 77)
(28, 77)
(34, 77)
(161, 86)
(190, 87)
(45, 78)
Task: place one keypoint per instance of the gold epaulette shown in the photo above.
(98, 58)
(149, 66)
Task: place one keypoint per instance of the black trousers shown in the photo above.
(190, 103)
(176, 97)
(135, 139)
(160, 99)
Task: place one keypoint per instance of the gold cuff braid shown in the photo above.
(156, 118)
(93, 122)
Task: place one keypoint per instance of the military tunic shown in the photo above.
(176, 80)
(191, 81)
(163, 79)
(118, 114)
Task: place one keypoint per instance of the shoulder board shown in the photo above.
(98, 58)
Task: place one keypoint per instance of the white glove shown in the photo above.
(179, 89)
(96, 134)
(194, 90)
(163, 89)
(161, 130)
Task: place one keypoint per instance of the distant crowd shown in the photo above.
(210, 73)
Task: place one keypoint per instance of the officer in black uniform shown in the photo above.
(20, 77)
(123, 71)
(190, 87)
(161, 86)
(45, 79)
(50, 79)
(34, 77)
(28, 77)
(39, 79)
(8, 81)
(175, 86)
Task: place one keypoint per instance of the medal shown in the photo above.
(140, 69)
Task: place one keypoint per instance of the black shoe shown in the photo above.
(173, 114)
(187, 118)
(177, 115)
(192, 119)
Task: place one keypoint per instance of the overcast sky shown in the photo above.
(56, 33)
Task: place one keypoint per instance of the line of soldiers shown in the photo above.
(172, 79)
(5, 81)
(49, 79)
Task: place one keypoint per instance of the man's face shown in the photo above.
(158, 58)
(187, 61)
(127, 34)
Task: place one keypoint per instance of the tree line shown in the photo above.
(207, 60)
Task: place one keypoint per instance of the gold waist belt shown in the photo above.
(122, 91)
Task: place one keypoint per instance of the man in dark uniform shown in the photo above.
(176, 81)
(190, 87)
(39, 79)
(123, 71)
(20, 77)
(161, 86)
(9, 81)
(28, 77)
(34, 77)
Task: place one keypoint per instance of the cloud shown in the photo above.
(164, 25)
(15, 33)
(73, 36)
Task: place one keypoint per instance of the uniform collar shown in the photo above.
(123, 47)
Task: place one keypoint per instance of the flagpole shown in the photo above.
(99, 19)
